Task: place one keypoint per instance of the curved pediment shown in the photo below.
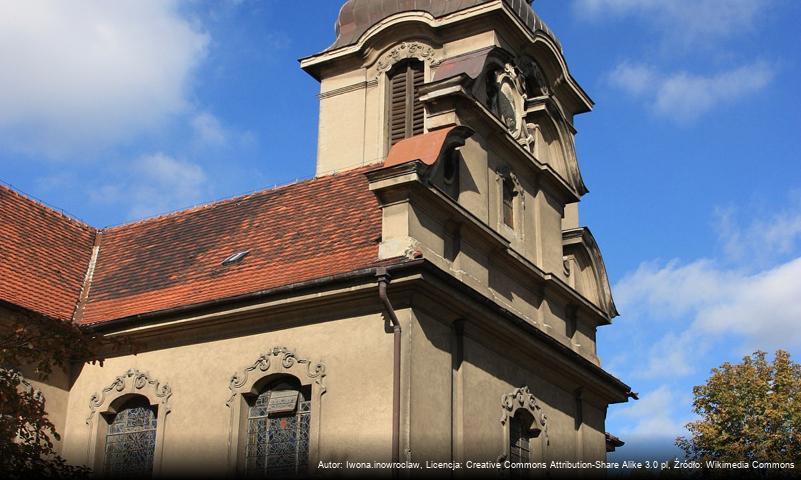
(588, 269)
(553, 144)
(520, 94)
(429, 147)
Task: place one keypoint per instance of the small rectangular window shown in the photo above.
(235, 258)
(508, 203)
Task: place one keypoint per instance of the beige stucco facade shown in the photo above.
(493, 317)
(449, 410)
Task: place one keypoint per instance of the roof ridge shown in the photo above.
(41, 203)
(86, 285)
(203, 206)
(228, 200)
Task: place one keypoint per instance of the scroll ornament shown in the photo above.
(406, 50)
(287, 359)
(139, 380)
(523, 398)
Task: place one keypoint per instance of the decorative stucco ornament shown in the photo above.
(537, 83)
(509, 101)
(405, 50)
(287, 359)
(522, 398)
(139, 381)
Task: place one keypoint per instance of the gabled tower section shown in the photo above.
(470, 105)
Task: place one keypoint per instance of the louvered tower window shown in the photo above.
(405, 109)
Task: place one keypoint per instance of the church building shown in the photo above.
(430, 295)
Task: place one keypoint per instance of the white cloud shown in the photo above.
(771, 235)
(673, 355)
(155, 184)
(683, 22)
(764, 310)
(759, 309)
(672, 290)
(684, 96)
(634, 79)
(682, 318)
(208, 130)
(84, 74)
(655, 413)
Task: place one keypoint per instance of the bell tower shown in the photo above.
(462, 113)
(498, 53)
(478, 95)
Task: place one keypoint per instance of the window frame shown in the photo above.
(505, 177)
(278, 363)
(517, 401)
(125, 404)
(272, 383)
(111, 400)
(521, 421)
(408, 66)
(508, 203)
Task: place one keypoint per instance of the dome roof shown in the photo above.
(357, 16)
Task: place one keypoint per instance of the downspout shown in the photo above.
(383, 281)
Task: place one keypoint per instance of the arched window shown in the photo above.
(275, 415)
(406, 113)
(127, 420)
(510, 201)
(520, 437)
(525, 430)
(131, 439)
(278, 430)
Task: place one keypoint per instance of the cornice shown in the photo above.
(454, 87)
(411, 176)
(408, 276)
(475, 315)
(312, 63)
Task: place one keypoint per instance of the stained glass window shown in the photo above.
(278, 431)
(131, 440)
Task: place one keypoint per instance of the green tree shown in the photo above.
(749, 411)
(35, 345)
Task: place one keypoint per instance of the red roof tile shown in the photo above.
(326, 226)
(305, 231)
(428, 147)
(43, 256)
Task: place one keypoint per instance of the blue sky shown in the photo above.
(118, 110)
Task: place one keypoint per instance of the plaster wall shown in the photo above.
(418, 223)
(54, 387)
(469, 394)
(356, 416)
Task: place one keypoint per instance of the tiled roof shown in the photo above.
(43, 256)
(313, 229)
